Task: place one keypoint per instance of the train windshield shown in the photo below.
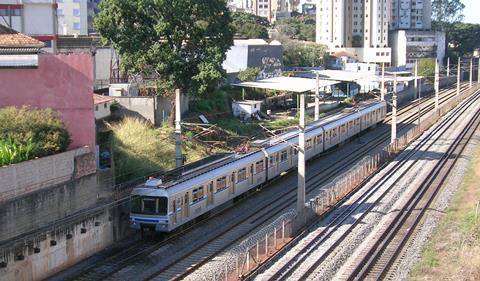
(149, 205)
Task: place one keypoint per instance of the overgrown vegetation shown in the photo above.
(139, 149)
(27, 133)
(216, 101)
(299, 28)
(298, 53)
(250, 26)
(426, 68)
(249, 74)
(463, 39)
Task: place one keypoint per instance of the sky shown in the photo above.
(471, 11)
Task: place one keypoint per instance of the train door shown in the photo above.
(232, 183)
(251, 174)
(174, 207)
(277, 161)
(186, 205)
(210, 193)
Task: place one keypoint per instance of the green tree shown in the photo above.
(249, 74)
(447, 11)
(250, 26)
(426, 68)
(463, 39)
(297, 53)
(181, 43)
(299, 28)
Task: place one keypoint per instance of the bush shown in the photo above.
(11, 152)
(42, 129)
(249, 74)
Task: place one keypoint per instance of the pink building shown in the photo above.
(62, 82)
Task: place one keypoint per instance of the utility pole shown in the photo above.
(317, 98)
(437, 84)
(178, 131)
(382, 91)
(448, 67)
(471, 73)
(458, 76)
(394, 110)
(301, 162)
(417, 89)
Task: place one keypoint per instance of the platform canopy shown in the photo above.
(288, 84)
(342, 75)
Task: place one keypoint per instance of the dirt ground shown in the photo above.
(453, 252)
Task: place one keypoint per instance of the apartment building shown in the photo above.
(359, 27)
(36, 18)
(76, 16)
(270, 9)
(411, 14)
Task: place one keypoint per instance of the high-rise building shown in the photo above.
(270, 9)
(357, 26)
(76, 16)
(411, 14)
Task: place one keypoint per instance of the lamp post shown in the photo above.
(394, 110)
(317, 98)
(437, 85)
(178, 131)
(458, 76)
(418, 90)
(471, 73)
(382, 91)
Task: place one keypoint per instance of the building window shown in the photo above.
(16, 12)
(76, 25)
(104, 105)
(3, 12)
(76, 12)
(96, 107)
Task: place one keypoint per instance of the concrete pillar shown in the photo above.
(317, 99)
(382, 91)
(448, 67)
(471, 73)
(437, 84)
(301, 161)
(394, 111)
(458, 76)
(178, 131)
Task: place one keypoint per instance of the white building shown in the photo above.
(72, 17)
(411, 14)
(272, 10)
(246, 109)
(411, 45)
(102, 106)
(359, 27)
(36, 18)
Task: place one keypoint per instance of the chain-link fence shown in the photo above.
(254, 250)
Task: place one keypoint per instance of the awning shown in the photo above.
(18, 61)
(288, 84)
(342, 75)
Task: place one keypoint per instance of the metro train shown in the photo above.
(164, 206)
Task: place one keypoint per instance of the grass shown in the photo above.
(139, 149)
(237, 127)
(12, 152)
(453, 253)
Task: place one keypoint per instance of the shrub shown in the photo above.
(249, 74)
(11, 152)
(42, 129)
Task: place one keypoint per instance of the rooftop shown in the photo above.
(10, 39)
(288, 84)
(98, 99)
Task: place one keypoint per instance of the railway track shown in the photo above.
(382, 255)
(137, 254)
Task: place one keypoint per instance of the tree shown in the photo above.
(299, 28)
(463, 39)
(249, 25)
(426, 68)
(298, 53)
(181, 43)
(447, 11)
(249, 74)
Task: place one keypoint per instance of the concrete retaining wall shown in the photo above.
(155, 109)
(30, 176)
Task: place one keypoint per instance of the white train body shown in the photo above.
(166, 206)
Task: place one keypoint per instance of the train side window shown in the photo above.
(221, 183)
(283, 156)
(197, 194)
(295, 151)
(308, 144)
(320, 138)
(271, 160)
(242, 175)
(259, 166)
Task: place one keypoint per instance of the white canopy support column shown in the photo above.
(178, 131)
(448, 67)
(394, 111)
(382, 91)
(437, 85)
(301, 162)
(317, 98)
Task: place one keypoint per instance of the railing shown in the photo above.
(254, 250)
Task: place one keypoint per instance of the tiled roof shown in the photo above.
(97, 99)
(10, 38)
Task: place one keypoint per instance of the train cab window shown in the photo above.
(149, 205)
(308, 144)
(259, 166)
(283, 156)
(242, 175)
(221, 183)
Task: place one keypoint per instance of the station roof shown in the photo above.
(288, 84)
(342, 75)
(392, 78)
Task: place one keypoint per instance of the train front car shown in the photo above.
(149, 208)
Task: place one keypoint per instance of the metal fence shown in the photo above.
(254, 250)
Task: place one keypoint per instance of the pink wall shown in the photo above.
(62, 82)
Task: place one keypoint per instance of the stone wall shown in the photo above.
(30, 176)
